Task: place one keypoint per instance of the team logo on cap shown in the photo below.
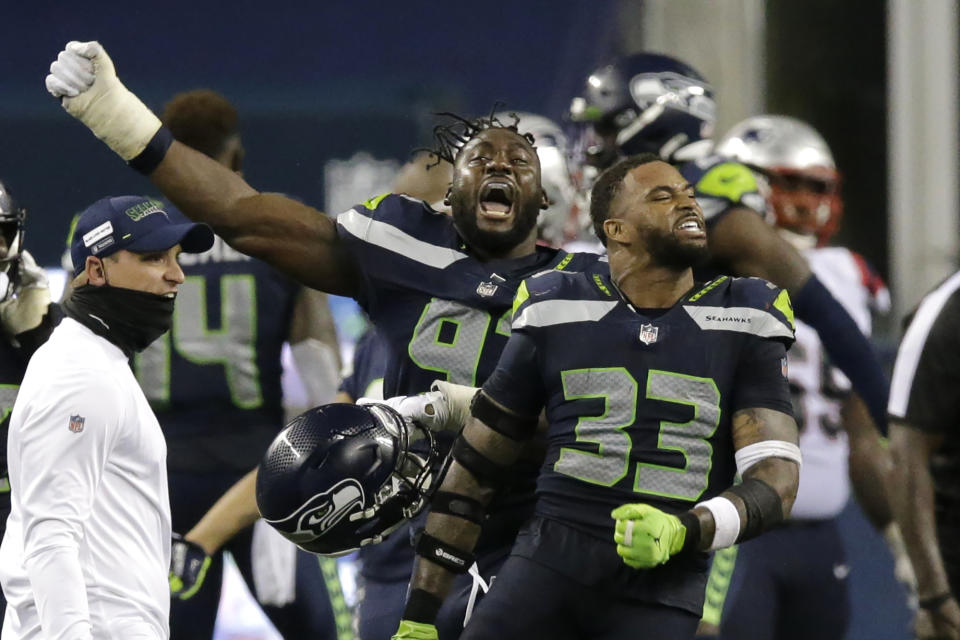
(76, 423)
(140, 211)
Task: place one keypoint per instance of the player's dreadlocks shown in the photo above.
(450, 137)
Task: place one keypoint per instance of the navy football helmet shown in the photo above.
(645, 102)
(341, 476)
(12, 220)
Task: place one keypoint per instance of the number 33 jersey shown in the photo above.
(639, 402)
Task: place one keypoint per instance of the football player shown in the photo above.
(657, 390)
(796, 171)
(651, 102)
(438, 287)
(27, 318)
(214, 384)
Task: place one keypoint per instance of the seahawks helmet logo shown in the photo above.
(323, 511)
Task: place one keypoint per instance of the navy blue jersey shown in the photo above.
(443, 313)
(365, 379)
(639, 402)
(214, 379)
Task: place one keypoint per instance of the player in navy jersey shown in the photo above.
(649, 102)
(656, 390)
(438, 287)
(214, 384)
(27, 318)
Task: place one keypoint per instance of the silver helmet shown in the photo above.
(797, 164)
(552, 148)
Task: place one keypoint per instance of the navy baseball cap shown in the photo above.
(134, 223)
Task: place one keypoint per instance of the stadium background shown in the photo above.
(319, 83)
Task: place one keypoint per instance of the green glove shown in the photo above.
(415, 631)
(188, 567)
(646, 536)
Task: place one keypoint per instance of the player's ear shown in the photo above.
(616, 230)
(446, 196)
(544, 199)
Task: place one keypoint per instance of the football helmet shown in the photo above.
(341, 476)
(12, 220)
(645, 102)
(796, 164)
(552, 148)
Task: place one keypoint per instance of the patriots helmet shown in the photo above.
(552, 149)
(798, 167)
(645, 102)
(12, 218)
(341, 476)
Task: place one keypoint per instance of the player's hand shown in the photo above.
(941, 623)
(188, 567)
(30, 300)
(415, 631)
(645, 536)
(458, 398)
(85, 81)
(427, 409)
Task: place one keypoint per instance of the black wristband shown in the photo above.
(935, 602)
(153, 154)
(422, 606)
(692, 524)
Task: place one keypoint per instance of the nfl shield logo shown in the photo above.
(486, 289)
(648, 333)
(76, 423)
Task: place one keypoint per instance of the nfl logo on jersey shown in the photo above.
(486, 289)
(76, 423)
(648, 333)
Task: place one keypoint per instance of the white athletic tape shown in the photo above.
(628, 534)
(754, 453)
(726, 522)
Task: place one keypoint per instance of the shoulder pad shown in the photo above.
(573, 289)
(749, 305)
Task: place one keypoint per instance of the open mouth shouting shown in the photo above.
(496, 199)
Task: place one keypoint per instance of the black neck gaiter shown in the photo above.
(128, 318)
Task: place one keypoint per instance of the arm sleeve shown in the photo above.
(762, 378)
(63, 466)
(516, 383)
(847, 347)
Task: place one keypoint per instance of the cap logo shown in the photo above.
(98, 232)
(140, 211)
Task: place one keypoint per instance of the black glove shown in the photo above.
(188, 567)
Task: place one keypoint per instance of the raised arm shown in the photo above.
(750, 247)
(291, 236)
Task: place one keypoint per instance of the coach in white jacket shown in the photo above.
(87, 548)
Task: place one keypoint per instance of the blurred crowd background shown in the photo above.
(333, 96)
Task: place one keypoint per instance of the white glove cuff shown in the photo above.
(726, 521)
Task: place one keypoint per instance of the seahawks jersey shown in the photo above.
(639, 402)
(214, 379)
(819, 389)
(443, 313)
(365, 378)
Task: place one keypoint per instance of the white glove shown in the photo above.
(32, 275)
(26, 307)
(84, 79)
(457, 398)
(426, 409)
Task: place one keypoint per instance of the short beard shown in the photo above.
(492, 243)
(667, 251)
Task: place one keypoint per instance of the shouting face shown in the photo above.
(496, 195)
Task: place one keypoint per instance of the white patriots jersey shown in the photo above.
(819, 389)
